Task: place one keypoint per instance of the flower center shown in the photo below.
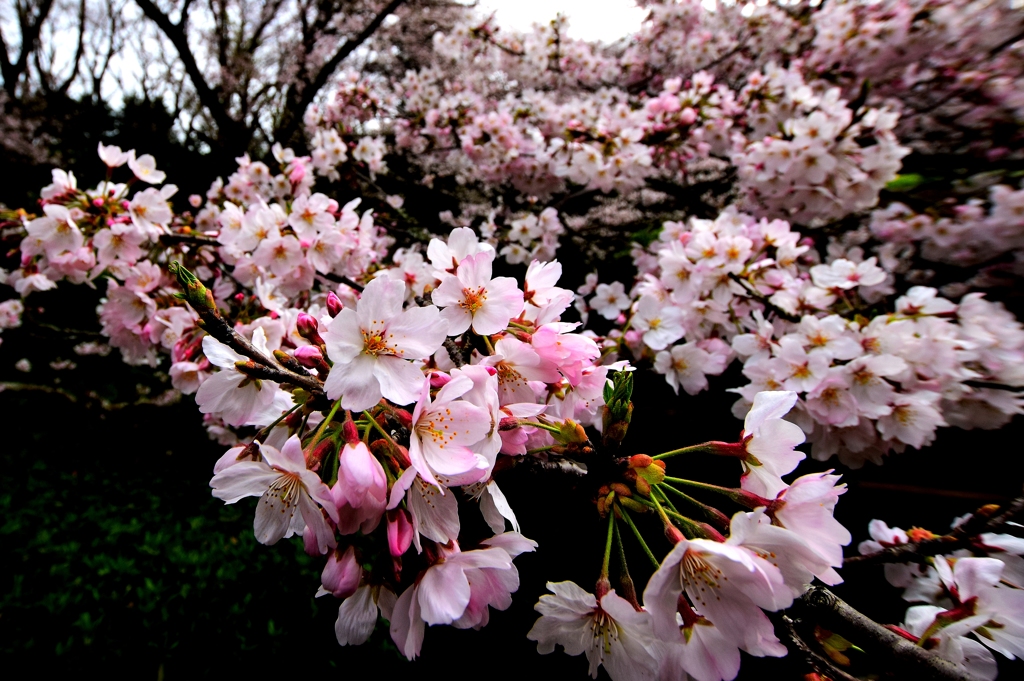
(374, 343)
(473, 300)
(699, 577)
(286, 488)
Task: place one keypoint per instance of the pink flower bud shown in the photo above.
(334, 305)
(309, 356)
(97, 202)
(438, 379)
(403, 417)
(309, 544)
(399, 531)
(342, 573)
(307, 327)
(195, 200)
(350, 432)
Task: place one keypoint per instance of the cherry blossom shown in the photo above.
(373, 346)
(611, 633)
(284, 485)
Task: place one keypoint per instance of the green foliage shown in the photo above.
(115, 562)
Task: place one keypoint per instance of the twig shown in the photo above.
(763, 299)
(819, 663)
(455, 353)
(908, 660)
(340, 279)
(198, 239)
(986, 519)
(995, 386)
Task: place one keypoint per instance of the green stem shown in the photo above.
(540, 449)
(323, 425)
(686, 497)
(608, 546)
(373, 422)
(544, 426)
(664, 497)
(487, 342)
(688, 523)
(703, 485)
(266, 431)
(704, 447)
(640, 538)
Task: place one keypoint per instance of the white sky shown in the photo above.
(605, 20)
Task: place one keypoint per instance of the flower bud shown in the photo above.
(508, 423)
(342, 573)
(438, 379)
(399, 532)
(307, 327)
(403, 417)
(334, 305)
(643, 486)
(350, 432)
(652, 474)
(640, 461)
(621, 489)
(633, 505)
(309, 356)
(315, 456)
(918, 534)
(673, 534)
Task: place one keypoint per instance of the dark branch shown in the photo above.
(986, 519)
(229, 127)
(906, 659)
(310, 90)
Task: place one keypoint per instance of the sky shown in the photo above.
(604, 20)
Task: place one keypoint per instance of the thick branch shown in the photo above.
(310, 90)
(908, 660)
(965, 535)
(30, 29)
(207, 97)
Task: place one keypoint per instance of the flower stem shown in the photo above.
(640, 538)
(323, 425)
(543, 426)
(664, 498)
(702, 485)
(608, 546)
(688, 523)
(704, 447)
(266, 431)
(709, 510)
(373, 422)
(487, 342)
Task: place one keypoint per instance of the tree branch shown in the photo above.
(986, 519)
(908, 660)
(309, 91)
(228, 126)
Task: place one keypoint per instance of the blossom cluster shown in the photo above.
(753, 290)
(373, 369)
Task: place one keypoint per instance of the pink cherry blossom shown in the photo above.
(770, 443)
(612, 634)
(284, 485)
(472, 298)
(373, 345)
